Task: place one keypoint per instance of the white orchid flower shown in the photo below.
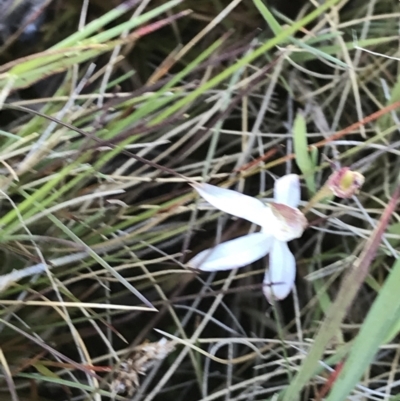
(280, 222)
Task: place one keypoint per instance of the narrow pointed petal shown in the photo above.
(280, 276)
(232, 254)
(235, 203)
(287, 190)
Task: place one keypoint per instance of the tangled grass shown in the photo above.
(104, 120)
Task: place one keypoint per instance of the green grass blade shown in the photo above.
(269, 18)
(278, 39)
(303, 158)
(337, 312)
(112, 15)
(116, 31)
(384, 312)
(277, 29)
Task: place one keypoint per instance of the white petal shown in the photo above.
(280, 276)
(287, 190)
(235, 203)
(229, 255)
(290, 222)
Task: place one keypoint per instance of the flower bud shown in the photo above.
(344, 183)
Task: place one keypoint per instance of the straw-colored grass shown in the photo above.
(109, 114)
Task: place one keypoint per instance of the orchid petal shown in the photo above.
(235, 203)
(287, 190)
(232, 254)
(279, 278)
(290, 222)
